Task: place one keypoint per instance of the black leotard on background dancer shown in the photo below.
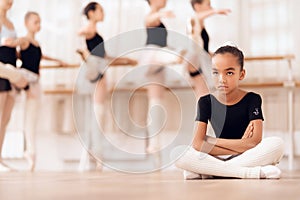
(31, 58)
(7, 56)
(96, 46)
(157, 35)
(205, 38)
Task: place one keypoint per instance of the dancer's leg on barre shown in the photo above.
(12, 74)
(200, 86)
(193, 66)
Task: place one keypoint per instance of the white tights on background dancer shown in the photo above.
(95, 62)
(31, 55)
(156, 39)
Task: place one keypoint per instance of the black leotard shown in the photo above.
(7, 56)
(96, 46)
(229, 121)
(205, 38)
(31, 58)
(157, 35)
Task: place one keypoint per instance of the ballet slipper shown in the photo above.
(188, 175)
(270, 172)
(30, 158)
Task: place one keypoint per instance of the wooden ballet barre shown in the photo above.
(261, 58)
(60, 66)
(144, 89)
(289, 84)
(74, 66)
(68, 91)
(250, 58)
(262, 84)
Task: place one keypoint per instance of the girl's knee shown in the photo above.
(188, 158)
(276, 142)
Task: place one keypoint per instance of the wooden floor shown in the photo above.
(166, 185)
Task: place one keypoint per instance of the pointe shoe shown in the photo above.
(30, 158)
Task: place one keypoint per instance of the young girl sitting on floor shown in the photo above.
(237, 120)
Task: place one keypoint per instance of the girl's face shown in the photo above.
(33, 23)
(158, 3)
(6, 4)
(204, 6)
(98, 14)
(226, 73)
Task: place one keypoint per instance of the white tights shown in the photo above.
(246, 165)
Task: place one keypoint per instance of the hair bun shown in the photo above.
(229, 43)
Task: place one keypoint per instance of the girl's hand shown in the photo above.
(62, 63)
(130, 61)
(181, 57)
(222, 11)
(249, 131)
(167, 14)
